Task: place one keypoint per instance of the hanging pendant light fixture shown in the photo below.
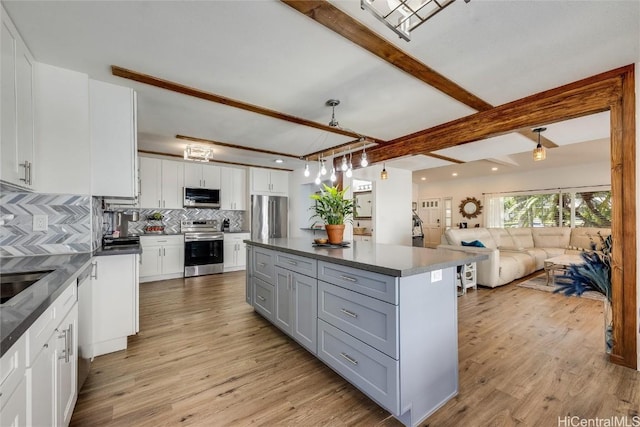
(307, 172)
(349, 172)
(384, 174)
(539, 153)
(363, 160)
(323, 168)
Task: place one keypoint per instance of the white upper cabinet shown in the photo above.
(201, 175)
(233, 189)
(17, 113)
(161, 183)
(265, 181)
(114, 140)
(63, 150)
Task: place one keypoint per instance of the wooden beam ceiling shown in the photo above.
(237, 147)
(212, 97)
(336, 20)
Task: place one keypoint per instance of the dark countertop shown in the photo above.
(19, 313)
(118, 251)
(392, 260)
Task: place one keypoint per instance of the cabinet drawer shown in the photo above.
(375, 285)
(373, 321)
(12, 368)
(39, 333)
(263, 301)
(263, 264)
(299, 264)
(374, 373)
(177, 240)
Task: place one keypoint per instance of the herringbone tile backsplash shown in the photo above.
(77, 223)
(69, 229)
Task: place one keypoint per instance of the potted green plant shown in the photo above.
(334, 209)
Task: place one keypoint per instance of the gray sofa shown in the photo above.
(516, 252)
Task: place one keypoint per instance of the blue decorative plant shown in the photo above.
(594, 274)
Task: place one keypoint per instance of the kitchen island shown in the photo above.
(384, 317)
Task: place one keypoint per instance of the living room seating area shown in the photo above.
(517, 252)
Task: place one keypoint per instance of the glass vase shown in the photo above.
(608, 326)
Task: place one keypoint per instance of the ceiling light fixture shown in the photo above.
(384, 174)
(307, 172)
(363, 160)
(332, 103)
(454, 174)
(323, 168)
(423, 179)
(404, 16)
(198, 153)
(344, 166)
(349, 172)
(539, 153)
(279, 161)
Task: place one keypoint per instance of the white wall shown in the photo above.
(459, 189)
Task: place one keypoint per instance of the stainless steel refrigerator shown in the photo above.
(269, 217)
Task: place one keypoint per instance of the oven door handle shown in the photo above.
(202, 239)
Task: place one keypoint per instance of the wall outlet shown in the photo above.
(436, 276)
(40, 223)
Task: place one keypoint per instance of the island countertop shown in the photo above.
(392, 260)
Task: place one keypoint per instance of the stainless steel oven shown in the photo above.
(203, 247)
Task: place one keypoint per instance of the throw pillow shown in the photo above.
(475, 243)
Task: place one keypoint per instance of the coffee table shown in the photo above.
(559, 263)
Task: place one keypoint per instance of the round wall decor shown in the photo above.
(470, 207)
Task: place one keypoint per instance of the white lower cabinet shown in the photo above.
(162, 257)
(67, 367)
(51, 361)
(13, 385)
(235, 251)
(115, 302)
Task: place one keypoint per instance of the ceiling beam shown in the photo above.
(212, 97)
(157, 153)
(562, 103)
(234, 146)
(336, 20)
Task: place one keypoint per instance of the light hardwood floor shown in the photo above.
(203, 357)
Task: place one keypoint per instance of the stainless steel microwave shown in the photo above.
(201, 198)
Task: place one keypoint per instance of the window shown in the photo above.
(551, 209)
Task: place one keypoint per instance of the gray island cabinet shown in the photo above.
(384, 317)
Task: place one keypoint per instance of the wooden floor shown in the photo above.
(203, 357)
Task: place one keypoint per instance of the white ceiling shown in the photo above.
(267, 54)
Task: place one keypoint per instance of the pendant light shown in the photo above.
(363, 160)
(323, 168)
(307, 172)
(384, 174)
(344, 166)
(539, 153)
(349, 172)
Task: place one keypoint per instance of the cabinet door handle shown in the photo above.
(292, 262)
(261, 298)
(349, 313)
(164, 251)
(349, 279)
(94, 270)
(164, 203)
(349, 358)
(159, 205)
(159, 251)
(65, 351)
(25, 165)
(70, 341)
(262, 264)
